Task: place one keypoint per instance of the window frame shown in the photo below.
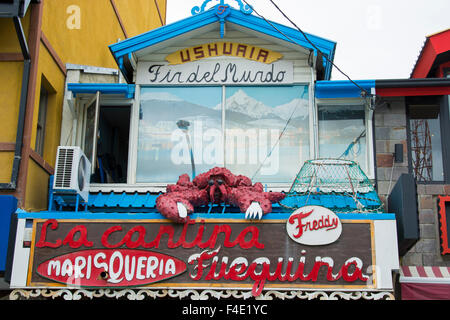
(134, 103)
(445, 132)
(370, 170)
(444, 126)
(94, 101)
(41, 120)
(83, 101)
(277, 186)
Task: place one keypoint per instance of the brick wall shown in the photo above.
(390, 129)
(426, 252)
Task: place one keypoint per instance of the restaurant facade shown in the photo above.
(228, 165)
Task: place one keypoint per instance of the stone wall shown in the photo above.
(390, 129)
(427, 251)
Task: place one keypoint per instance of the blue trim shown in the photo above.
(127, 90)
(334, 202)
(342, 88)
(160, 34)
(245, 8)
(196, 10)
(208, 17)
(147, 201)
(163, 33)
(149, 216)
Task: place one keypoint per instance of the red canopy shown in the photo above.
(425, 283)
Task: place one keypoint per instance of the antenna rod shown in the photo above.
(184, 125)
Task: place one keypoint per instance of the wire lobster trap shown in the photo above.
(340, 185)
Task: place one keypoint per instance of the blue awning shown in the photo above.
(146, 202)
(127, 90)
(342, 88)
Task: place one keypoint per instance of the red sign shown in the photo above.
(113, 268)
(200, 253)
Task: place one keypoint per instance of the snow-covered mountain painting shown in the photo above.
(241, 102)
(266, 131)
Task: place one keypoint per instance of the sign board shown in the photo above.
(314, 226)
(217, 49)
(215, 72)
(224, 254)
(444, 223)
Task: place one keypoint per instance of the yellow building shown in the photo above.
(41, 41)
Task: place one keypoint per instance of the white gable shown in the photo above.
(296, 54)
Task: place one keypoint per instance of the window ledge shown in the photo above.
(156, 188)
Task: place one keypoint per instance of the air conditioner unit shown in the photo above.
(72, 172)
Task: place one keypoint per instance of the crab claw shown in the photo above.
(182, 210)
(254, 211)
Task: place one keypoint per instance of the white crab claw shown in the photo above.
(182, 210)
(254, 211)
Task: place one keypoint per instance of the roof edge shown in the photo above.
(412, 83)
(129, 46)
(332, 89)
(433, 46)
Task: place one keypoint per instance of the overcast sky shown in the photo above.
(376, 39)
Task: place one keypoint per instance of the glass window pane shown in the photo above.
(426, 149)
(342, 133)
(165, 143)
(267, 132)
(89, 131)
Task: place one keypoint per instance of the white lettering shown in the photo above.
(180, 152)
(54, 265)
(243, 147)
(152, 264)
(80, 263)
(213, 151)
(140, 266)
(170, 267)
(74, 20)
(118, 265)
(67, 268)
(89, 267)
(114, 274)
(129, 270)
(100, 265)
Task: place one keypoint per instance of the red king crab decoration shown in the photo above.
(217, 186)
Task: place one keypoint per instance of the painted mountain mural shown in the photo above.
(243, 104)
(264, 112)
